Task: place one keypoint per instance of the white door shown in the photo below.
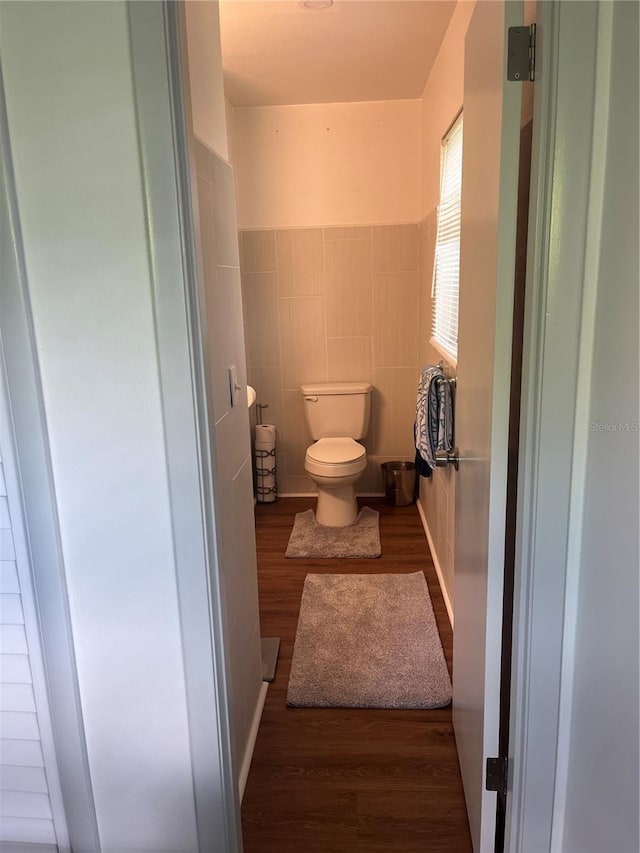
(489, 202)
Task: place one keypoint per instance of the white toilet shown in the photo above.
(337, 414)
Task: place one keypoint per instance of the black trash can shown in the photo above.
(399, 482)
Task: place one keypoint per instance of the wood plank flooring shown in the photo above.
(325, 780)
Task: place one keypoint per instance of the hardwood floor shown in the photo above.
(366, 780)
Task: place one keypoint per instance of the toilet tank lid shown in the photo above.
(319, 389)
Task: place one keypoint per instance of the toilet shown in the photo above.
(337, 414)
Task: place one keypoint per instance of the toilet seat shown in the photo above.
(335, 457)
(331, 451)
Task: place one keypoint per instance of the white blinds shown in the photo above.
(446, 270)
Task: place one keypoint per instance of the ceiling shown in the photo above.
(276, 52)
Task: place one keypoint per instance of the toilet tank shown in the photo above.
(337, 409)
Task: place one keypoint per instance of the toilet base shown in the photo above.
(337, 507)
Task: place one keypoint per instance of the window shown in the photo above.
(446, 268)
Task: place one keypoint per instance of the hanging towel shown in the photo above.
(433, 428)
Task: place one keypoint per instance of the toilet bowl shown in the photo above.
(337, 414)
(335, 465)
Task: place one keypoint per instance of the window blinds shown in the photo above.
(446, 271)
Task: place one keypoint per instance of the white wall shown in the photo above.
(441, 101)
(328, 164)
(440, 104)
(602, 775)
(205, 74)
(79, 188)
(224, 346)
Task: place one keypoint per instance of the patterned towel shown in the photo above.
(434, 418)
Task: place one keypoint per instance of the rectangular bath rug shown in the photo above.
(360, 539)
(368, 641)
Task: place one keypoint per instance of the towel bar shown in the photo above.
(452, 380)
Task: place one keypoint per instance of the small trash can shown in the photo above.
(399, 482)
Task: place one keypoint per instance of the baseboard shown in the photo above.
(436, 562)
(251, 741)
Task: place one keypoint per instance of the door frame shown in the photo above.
(32, 478)
(564, 226)
(161, 87)
(157, 79)
(565, 213)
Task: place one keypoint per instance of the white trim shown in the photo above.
(447, 356)
(251, 740)
(563, 130)
(434, 555)
(163, 110)
(583, 403)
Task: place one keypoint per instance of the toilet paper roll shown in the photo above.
(265, 458)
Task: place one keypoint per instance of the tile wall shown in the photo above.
(232, 463)
(334, 304)
(437, 493)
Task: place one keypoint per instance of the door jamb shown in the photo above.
(160, 78)
(563, 211)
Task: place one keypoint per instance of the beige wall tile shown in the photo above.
(231, 322)
(268, 384)
(394, 411)
(396, 248)
(441, 526)
(261, 298)
(233, 443)
(238, 570)
(427, 497)
(425, 354)
(427, 250)
(300, 262)
(214, 306)
(297, 348)
(244, 669)
(349, 288)
(370, 481)
(377, 479)
(451, 514)
(224, 213)
(302, 337)
(294, 484)
(437, 496)
(448, 571)
(258, 251)
(252, 674)
(355, 232)
(350, 359)
(295, 433)
(223, 315)
(395, 319)
(205, 231)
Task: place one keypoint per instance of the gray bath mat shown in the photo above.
(360, 539)
(368, 641)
